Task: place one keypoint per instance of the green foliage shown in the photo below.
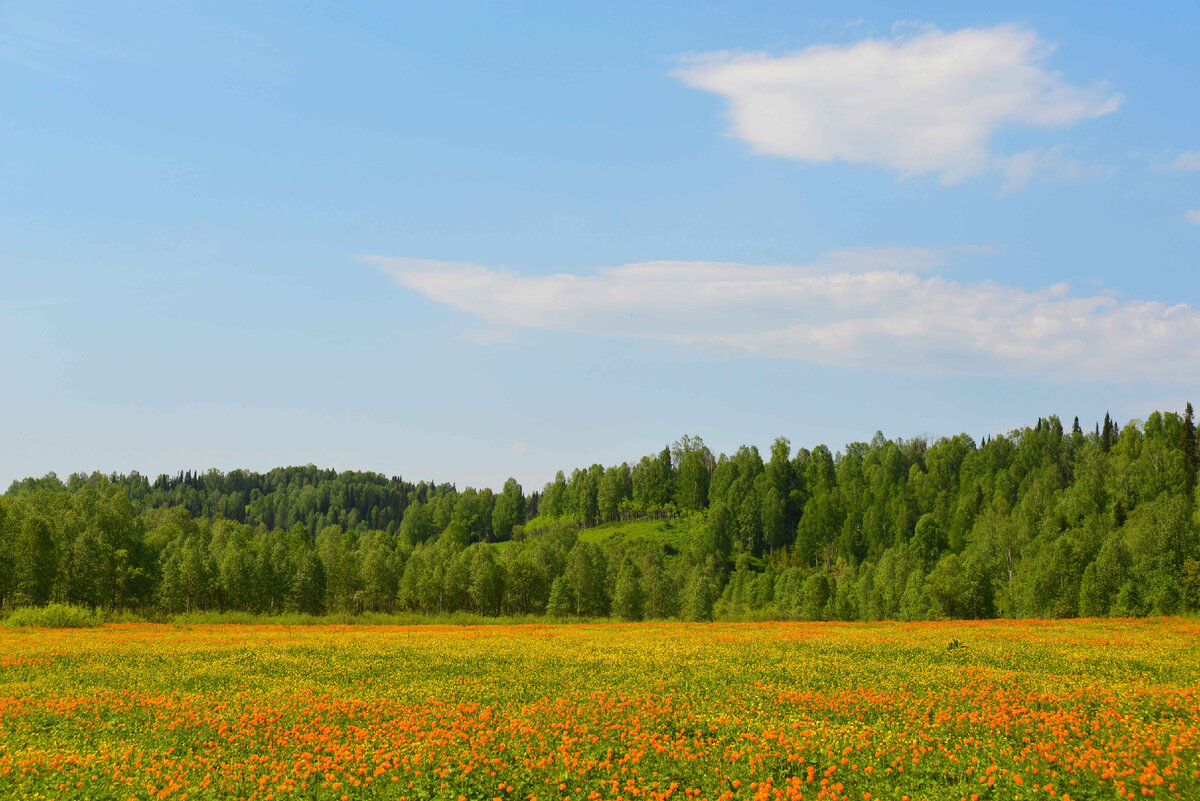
(562, 598)
(1038, 523)
(629, 597)
(699, 593)
(587, 571)
(816, 596)
(308, 587)
(53, 616)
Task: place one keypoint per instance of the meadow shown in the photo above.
(975, 710)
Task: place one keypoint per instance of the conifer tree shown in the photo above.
(1191, 457)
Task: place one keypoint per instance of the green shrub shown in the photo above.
(53, 616)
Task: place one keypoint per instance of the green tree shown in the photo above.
(700, 593)
(236, 574)
(819, 526)
(929, 540)
(418, 525)
(944, 586)
(473, 514)
(914, 605)
(487, 581)
(584, 488)
(456, 580)
(509, 511)
(718, 532)
(1187, 444)
(629, 597)
(653, 482)
(562, 601)
(693, 463)
(587, 572)
(554, 497)
(615, 487)
(308, 587)
(410, 594)
(774, 519)
(35, 559)
(378, 573)
(526, 588)
(748, 526)
(7, 560)
(817, 593)
(1130, 601)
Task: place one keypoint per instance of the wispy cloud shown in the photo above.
(1055, 164)
(1188, 161)
(843, 310)
(1192, 216)
(39, 46)
(63, 47)
(929, 102)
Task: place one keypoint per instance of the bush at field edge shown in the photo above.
(53, 616)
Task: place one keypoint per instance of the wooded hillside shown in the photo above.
(1043, 522)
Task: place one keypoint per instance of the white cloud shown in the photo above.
(1186, 162)
(848, 309)
(1049, 164)
(925, 103)
(1192, 216)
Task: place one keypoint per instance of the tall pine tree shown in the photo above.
(1188, 443)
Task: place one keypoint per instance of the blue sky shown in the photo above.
(465, 241)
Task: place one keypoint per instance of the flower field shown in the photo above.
(1065, 710)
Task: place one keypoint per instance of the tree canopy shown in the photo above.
(1041, 522)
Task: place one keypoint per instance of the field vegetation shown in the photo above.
(977, 710)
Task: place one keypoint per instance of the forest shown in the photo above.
(1044, 522)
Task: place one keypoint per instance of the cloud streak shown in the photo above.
(862, 308)
(1053, 164)
(1185, 162)
(926, 103)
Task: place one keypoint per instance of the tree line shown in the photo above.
(1042, 522)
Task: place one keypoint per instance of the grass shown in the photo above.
(677, 535)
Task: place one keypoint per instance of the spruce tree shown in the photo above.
(1189, 444)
